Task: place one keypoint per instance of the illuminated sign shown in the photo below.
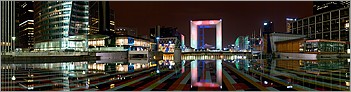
(130, 41)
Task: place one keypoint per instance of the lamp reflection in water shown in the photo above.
(183, 68)
(194, 75)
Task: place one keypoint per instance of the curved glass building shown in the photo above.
(61, 25)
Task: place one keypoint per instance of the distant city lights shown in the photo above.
(13, 78)
(265, 23)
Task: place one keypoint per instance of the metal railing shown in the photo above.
(46, 53)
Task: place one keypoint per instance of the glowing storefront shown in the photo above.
(125, 42)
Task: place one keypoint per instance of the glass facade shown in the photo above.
(168, 44)
(332, 25)
(25, 31)
(100, 42)
(134, 42)
(325, 46)
(97, 17)
(61, 25)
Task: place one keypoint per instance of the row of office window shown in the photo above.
(322, 26)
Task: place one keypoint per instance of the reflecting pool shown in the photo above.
(197, 75)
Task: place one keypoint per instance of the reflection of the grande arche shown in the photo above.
(198, 71)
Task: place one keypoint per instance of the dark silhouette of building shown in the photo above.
(162, 32)
(101, 18)
(268, 26)
(102, 21)
(325, 6)
(25, 24)
(126, 31)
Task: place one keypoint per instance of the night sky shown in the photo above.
(239, 18)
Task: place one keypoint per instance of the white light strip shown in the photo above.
(26, 22)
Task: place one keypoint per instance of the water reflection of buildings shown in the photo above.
(198, 70)
(58, 76)
(290, 64)
(117, 67)
(315, 66)
(324, 74)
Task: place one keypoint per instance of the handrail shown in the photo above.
(46, 53)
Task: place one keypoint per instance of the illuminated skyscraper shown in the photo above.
(102, 22)
(7, 26)
(325, 6)
(101, 18)
(25, 17)
(61, 25)
(289, 22)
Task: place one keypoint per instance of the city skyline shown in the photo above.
(140, 46)
(239, 18)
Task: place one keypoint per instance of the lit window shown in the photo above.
(347, 25)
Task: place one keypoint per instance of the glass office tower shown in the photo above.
(61, 25)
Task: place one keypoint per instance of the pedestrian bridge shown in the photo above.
(207, 55)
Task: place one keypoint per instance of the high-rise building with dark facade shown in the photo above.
(25, 25)
(289, 22)
(126, 31)
(61, 25)
(167, 38)
(268, 26)
(325, 6)
(112, 20)
(102, 22)
(332, 25)
(101, 18)
(7, 26)
(162, 32)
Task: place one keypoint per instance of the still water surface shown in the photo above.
(244, 74)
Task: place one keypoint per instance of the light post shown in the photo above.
(13, 78)
(14, 43)
(86, 42)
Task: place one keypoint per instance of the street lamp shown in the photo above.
(13, 38)
(13, 78)
(13, 46)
